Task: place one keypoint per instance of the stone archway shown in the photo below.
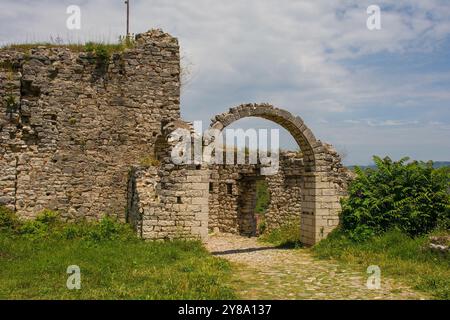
(321, 192)
(168, 200)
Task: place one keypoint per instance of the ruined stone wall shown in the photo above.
(223, 197)
(323, 190)
(71, 124)
(169, 202)
(233, 196)
(286, 192)
(186, 201)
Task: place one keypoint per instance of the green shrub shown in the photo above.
(410, 197)
(261, 227)
(8, 219)
(108, 229)
(34, 229)
(48, 217)
(43, 226)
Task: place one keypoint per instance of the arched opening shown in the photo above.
(305, 179)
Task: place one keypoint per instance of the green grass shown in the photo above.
(262, 196)
(76, 47)
(398, 255)
(25, 47)
(287, 235)
(114, 264)
(102, 51)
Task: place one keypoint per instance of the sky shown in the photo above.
(368, 92)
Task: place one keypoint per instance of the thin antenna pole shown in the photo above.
(127, 2)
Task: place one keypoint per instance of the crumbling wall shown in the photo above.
(169, 202)
(226, 196)
(72, 124)
(233, 196)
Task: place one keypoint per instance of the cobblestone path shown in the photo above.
(266, 272)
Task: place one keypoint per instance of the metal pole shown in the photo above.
(127, 2)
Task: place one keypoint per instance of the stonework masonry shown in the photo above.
(71, 125)
(75, 129)
(232, 198)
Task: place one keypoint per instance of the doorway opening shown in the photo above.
(254, 200)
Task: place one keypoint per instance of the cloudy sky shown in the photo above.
(384, 92)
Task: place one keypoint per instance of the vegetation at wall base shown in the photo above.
(35, 254)
(286, 236)
(398, 255)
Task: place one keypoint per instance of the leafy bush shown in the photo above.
(34, 229)
(108, 229)
(8, 219)
(262, 226)
(48, 217)
(410, 197)
(43, 226)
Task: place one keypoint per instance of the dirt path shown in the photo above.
(265, 272)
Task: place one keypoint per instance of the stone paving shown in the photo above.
(263, 271)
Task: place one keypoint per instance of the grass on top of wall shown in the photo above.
(114, 264)
(99, 49)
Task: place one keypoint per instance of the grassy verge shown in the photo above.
(398, 256)
(34, 257)
(287, 235)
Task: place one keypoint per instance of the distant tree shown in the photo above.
(186, 66)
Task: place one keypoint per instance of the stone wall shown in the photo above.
(323, 189)
(168, 201)
(74, 125)
(188, 201)
(71, 124)
(232, 197)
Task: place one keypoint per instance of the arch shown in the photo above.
(320, 201)
(295, 125)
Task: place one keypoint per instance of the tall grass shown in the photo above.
(114, 264)
(397, 254)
